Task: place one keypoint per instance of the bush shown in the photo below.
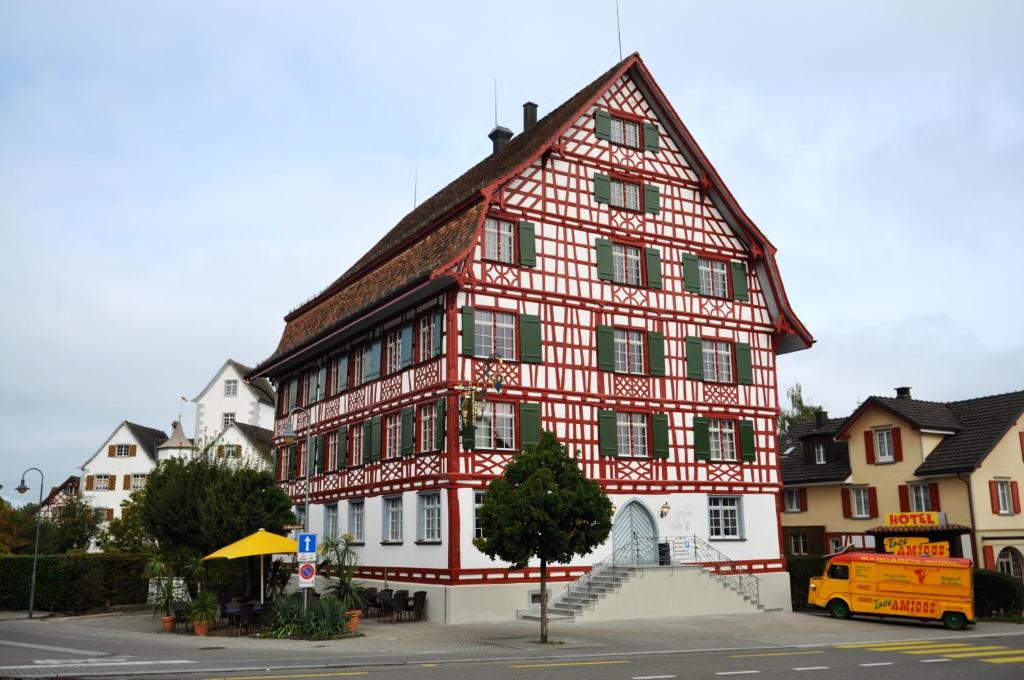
(997, 594)
(323, 620)
(801, 569)
(73, 582)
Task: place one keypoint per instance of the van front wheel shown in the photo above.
(954, 620)
(838, 609)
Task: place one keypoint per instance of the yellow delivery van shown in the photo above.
(925, 588)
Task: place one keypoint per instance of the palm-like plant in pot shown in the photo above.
(202, 611)
(339, 554)
(161, 588)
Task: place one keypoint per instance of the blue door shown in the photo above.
(634, 536)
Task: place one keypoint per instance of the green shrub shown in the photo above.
(997, 594)
(324, 619)
(801, 569)
(73, 582)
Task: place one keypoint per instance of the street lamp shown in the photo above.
(22, 488)
(289, 437)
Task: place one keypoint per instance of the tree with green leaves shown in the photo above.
(543, 508)
(799, 411)
(126, 533)
(77, 523)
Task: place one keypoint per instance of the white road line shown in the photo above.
(812, 668)
(101, 664)
(653, 677)
(879, 663)
(48, 648)
(934, 660)
(736, 672)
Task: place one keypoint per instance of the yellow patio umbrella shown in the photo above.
(260, 543)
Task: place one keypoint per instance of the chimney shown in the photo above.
(529, 116)
(903, 393)
(819, 419)
(499, 137)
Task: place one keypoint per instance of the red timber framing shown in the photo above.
(553, 189)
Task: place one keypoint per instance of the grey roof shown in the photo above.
(923, 415)
(178, 440)
(794, 466)
(264, 390)
(255, 434)
(983, 422)
(148, 437)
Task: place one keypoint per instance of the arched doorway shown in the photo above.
(1009, 562)
(634, 535)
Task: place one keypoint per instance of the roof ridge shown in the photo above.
(987, 396)
(911, 400)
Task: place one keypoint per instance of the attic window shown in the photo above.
(230, 388)
(499, 240)
(625, 132)
(819, 454)
(625, 195)
(122, 450)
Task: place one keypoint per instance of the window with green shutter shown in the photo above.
(739, 281)
(602, 124)
(375, 438)
(341, 459)
(744, 364)
(318, 441)
(691, 272)
(653, 256)
(652, 199)
(468, 332)
(365, 444)
(439, 426)
(701, 439)
(527, 244)
(605, 267)
(531, 348)
(408, 446)
(529, 423)
(606, 348)
(652, 140)
(747, 439)
(659, 425)
(602, 188)
(608, 434)
(405, 346)
(656, 353)
(694, 358)
(468, 437)
(293, 461)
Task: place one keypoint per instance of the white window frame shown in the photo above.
(227, 420)
(430, 517)
(624, 194)
(101, 482)
(499, 240)
(231, 449)
(122, 450)
(920, 498)
(626, 264)
(393, 519)
(714, 277)
(625, 132)
(1005, 496)
(725, 518)
(722, 437)
(478, 500)
(230, 388)
(392, 351)
(717, 358)
(358, 444)
(331, 454)
(426, 344)
(393, 435)
(804, 544)
(358, 357)
(835, 545)
(884, 452)
(494, 332)
(1008, 561)
(631, 434)
(792, 500)
(357, 520)
(629, 351)
(819, 454)
(428, 427)
(860, 502)
(497, 418)
(331, 520)
(138, 481)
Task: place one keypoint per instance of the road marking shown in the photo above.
(812, 668)
(966, 655)
(1008, 659)
(653, 677)
(95, 664)
(736, 672)
(283, 677)
(911, 645)
(745, 656)
(48, 648)
(948, 648)
(879, 663)
(883, 644)
(428, 665)
(567, 663)
(924, 649)
(934, 660)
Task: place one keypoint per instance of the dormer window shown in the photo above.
(625, 132)
(625, 194)
(819, 454)
(883, 446)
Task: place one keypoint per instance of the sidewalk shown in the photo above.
(11, 615)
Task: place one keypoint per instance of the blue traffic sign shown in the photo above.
(307, 543)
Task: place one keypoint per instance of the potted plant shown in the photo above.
(340, 555)
(161, 588)
(202, 611)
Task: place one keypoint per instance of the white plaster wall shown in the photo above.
(101, 463)
(211, 407)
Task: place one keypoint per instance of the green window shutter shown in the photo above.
(701, 439)
(659, 425)
(653, 267)
(321, 383)
(468, 437)
(374, 438)
(739, 282)
(602, 124)
(606, 348)
(652, 142)
(605, 268)
(293, 393)
(367, 438)
(342, 450)
(342, 374)
(747, 441)
(405, 346)
(691, 273)
(527, 244)
(438, 322)
(694, 358)
(652, 199)
(439, 426)
(656, 352)
(531, 350)
(602, 188)
(319, 443)
(529, 423)
(293, 460)
(408, 430)
(468, 332)
(608, 434)
(744, 364)
(374, 364)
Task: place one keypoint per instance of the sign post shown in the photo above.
(307, 575)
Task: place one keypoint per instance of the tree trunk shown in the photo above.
(543, 601)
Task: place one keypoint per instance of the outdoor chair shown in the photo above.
(369, 600)
(399, 605)
(245, 618)
(180, 615)
(264, 615)
(418, 604)
(385, 603)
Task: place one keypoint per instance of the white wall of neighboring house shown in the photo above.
(102, 464)
(214, 402)
(250, 455)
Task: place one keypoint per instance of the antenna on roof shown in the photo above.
(415, 183)
(618, 28)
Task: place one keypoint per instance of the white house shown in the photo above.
(228, 399)
(121, 465)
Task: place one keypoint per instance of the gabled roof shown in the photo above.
(921, 415)
(258, 436)
(260, 387)
(428, 243)
(984, 422)
(73, 481)
(149, 438)
(793, 465)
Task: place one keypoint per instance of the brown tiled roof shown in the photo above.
(984, 421)
(794, 466)
(72, 481)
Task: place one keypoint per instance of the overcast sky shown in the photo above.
(174, 177)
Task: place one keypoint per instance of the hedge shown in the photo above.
(801, 568)
(73, 582)
(997, 594)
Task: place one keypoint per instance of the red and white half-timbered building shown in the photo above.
(598, 270)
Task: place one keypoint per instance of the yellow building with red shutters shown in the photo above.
(962, 460)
